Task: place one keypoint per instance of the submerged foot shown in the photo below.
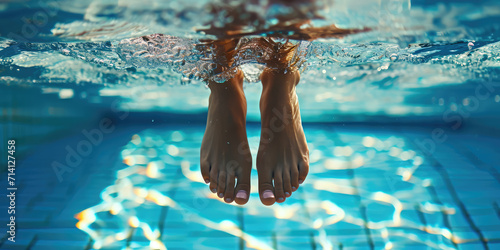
(224, 154)
(283, 157)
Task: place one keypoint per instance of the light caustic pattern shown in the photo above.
(162, 171)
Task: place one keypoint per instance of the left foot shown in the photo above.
(283, 157)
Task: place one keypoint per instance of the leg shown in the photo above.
(224, 151)
(283, 157)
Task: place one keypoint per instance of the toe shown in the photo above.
(243, 187)
(303, 170)
(221, 186)
(278, 186)
(214, 175)
(294, 178)
(266, 189)
(205, 171)
(229, 194)
(287, 183)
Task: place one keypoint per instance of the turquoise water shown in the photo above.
(402, 123)
(370, 187)
(416, 55)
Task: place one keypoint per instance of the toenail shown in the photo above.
(301, 181)
(214, 190)
(221, 195)
(228, 200)
(207, 181)
(281, 199)
(241, 195)
(294, 188)
(287, 194)
(268, 194)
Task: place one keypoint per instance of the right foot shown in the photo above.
(224, 154)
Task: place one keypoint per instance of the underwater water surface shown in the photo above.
(401, 120)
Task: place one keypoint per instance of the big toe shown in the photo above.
(266, 189)
(242, 190)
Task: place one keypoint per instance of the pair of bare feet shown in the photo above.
(283, 155)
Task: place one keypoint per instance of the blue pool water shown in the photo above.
(401, 121)
(369, 187)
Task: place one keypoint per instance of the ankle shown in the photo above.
(231, 86)
(279, 82)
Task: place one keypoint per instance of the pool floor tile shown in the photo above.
(342, 209)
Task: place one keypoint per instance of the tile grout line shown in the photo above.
(444, 175)
(32, 242)
(421, 216)
(242, 227)
(446, 220)
(274, 240)
(496, 208)
(354, 184)
(475, 160)
(308, 217)
(313, 243)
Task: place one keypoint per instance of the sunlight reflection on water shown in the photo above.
(373, 185)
